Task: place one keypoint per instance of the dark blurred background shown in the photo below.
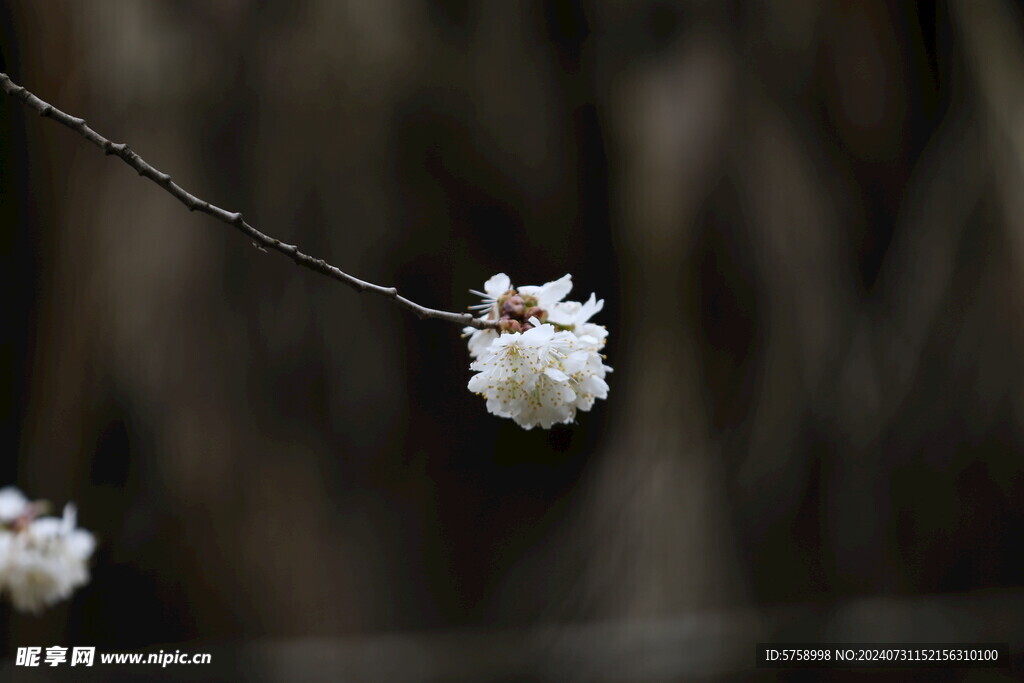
(807, 222)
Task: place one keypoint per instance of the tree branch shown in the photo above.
(235, 220)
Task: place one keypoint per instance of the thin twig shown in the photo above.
(235, 220)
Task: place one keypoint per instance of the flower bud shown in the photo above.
(513, 306)
(509, 325)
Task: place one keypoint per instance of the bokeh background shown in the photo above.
(806, 220)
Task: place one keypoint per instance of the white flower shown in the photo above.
(521, 376)
(13, 504)
(588, 372)
(573, 314)
(479, 340)
(44, 562)
(539, 377)
(544, 296)
(544, 361)
(549, 293)
(493, 289)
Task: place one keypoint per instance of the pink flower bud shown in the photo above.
(513, 306)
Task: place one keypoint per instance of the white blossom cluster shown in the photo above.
(544, 361)
(42, 559)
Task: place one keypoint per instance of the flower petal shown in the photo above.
(556, 374)
(550, 293)
(497, 285)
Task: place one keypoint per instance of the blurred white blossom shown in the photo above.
(13, 504)
(543, 363)
(42, 559)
